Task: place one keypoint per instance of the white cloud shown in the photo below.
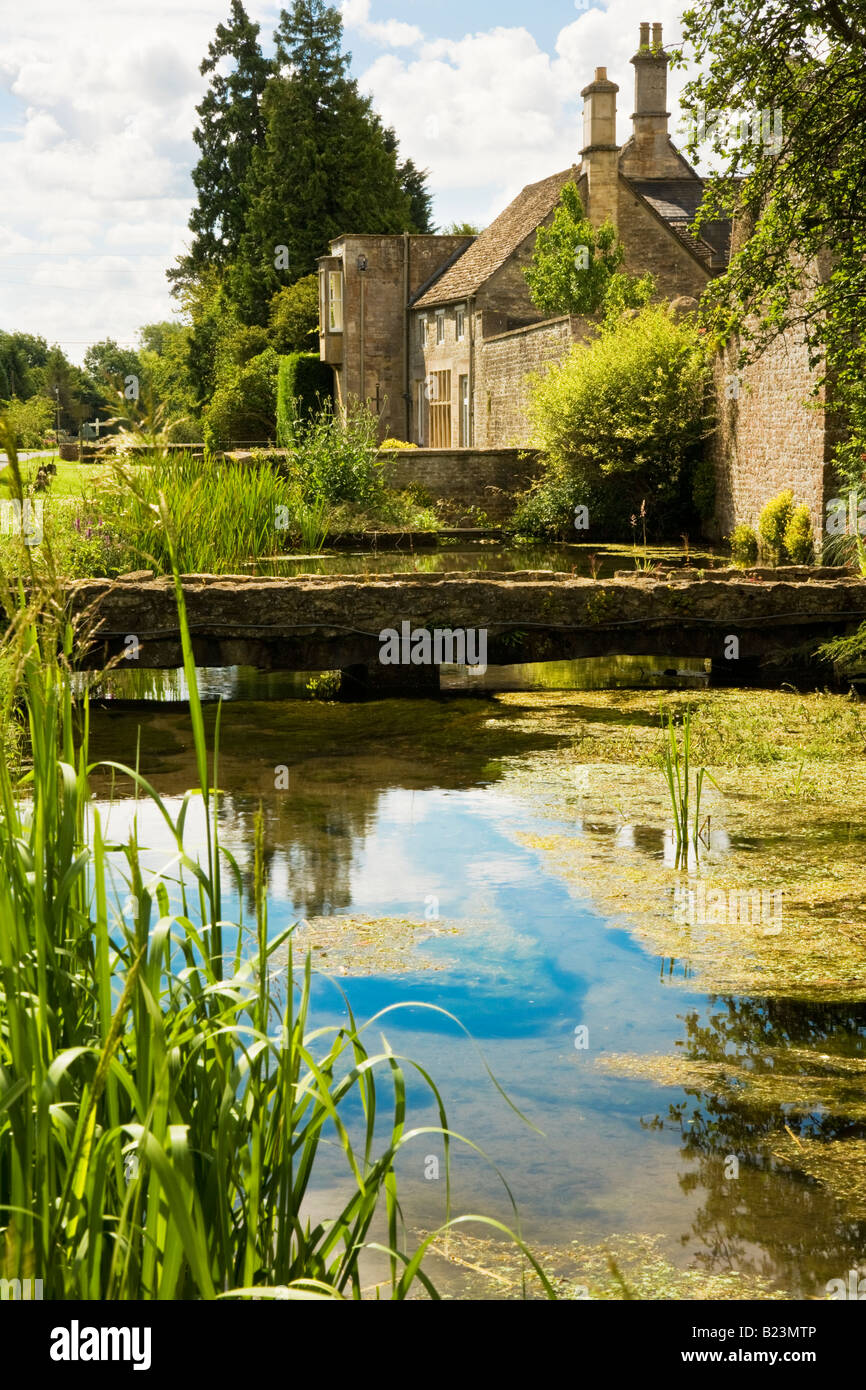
(481, 113)
(98, 150)
(97, 108)
(492, 111)
(393, 32)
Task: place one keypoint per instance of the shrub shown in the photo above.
(29, 420)
(396, 444)
(744, 545)
(799, 541)
(294, 316)
(622, 419)
(337, 459)
(773, 523)
(546, 510)
(244, 405)
(304, 387)
(560, 283)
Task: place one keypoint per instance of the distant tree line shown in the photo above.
(291, 155)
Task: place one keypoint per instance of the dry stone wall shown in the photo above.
(488, 479)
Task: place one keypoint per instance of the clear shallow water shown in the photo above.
(599, 561)
(392, 805)
(247, 683)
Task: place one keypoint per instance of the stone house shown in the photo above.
(439, 334)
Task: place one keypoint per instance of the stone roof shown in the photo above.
(677, 201)
(492, 248)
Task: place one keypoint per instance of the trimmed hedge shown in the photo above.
(243, 407)
(304, 386)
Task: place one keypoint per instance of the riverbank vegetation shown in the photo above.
(102, 519)
(622, 424)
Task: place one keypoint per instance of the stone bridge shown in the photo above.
(311, 623)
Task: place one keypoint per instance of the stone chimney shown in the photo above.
(600, 153)
(649, 153)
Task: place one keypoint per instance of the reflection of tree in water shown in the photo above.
(803, 1233)
(341, 759)
(310, 843)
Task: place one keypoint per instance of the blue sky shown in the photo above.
(97, 103)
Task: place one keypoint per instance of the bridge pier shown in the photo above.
(371, 680)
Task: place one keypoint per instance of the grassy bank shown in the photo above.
(103, 519)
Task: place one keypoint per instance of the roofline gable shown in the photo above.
(704, 264)
(476, 279)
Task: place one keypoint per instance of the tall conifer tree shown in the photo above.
(231, 126)
(327, 164)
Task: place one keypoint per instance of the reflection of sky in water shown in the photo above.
(531, 958)
(531, 963)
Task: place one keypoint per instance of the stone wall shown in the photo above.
(486, 478)
(505, 364)
(771, 435)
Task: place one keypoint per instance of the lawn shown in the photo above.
(71, 479)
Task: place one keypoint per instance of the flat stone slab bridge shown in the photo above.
(312, 622)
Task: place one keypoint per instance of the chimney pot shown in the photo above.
(601, 74)
(657, 36)
(644, 35)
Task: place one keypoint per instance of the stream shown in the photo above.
(410, 836)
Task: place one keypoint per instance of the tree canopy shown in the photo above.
(576, 267)
(801, 257)
(292, 154)
(230, 127)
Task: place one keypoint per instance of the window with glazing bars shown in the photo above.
(439, 391)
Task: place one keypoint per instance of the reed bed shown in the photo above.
(222, 515)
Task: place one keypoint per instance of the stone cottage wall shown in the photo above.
(504, 366)
(489, 479)
(771, 435)
(651, 245)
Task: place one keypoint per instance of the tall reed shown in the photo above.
(676, 761)
(222, 515)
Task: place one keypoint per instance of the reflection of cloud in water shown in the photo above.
(714, 844)
(501, 869)
(384, 872)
